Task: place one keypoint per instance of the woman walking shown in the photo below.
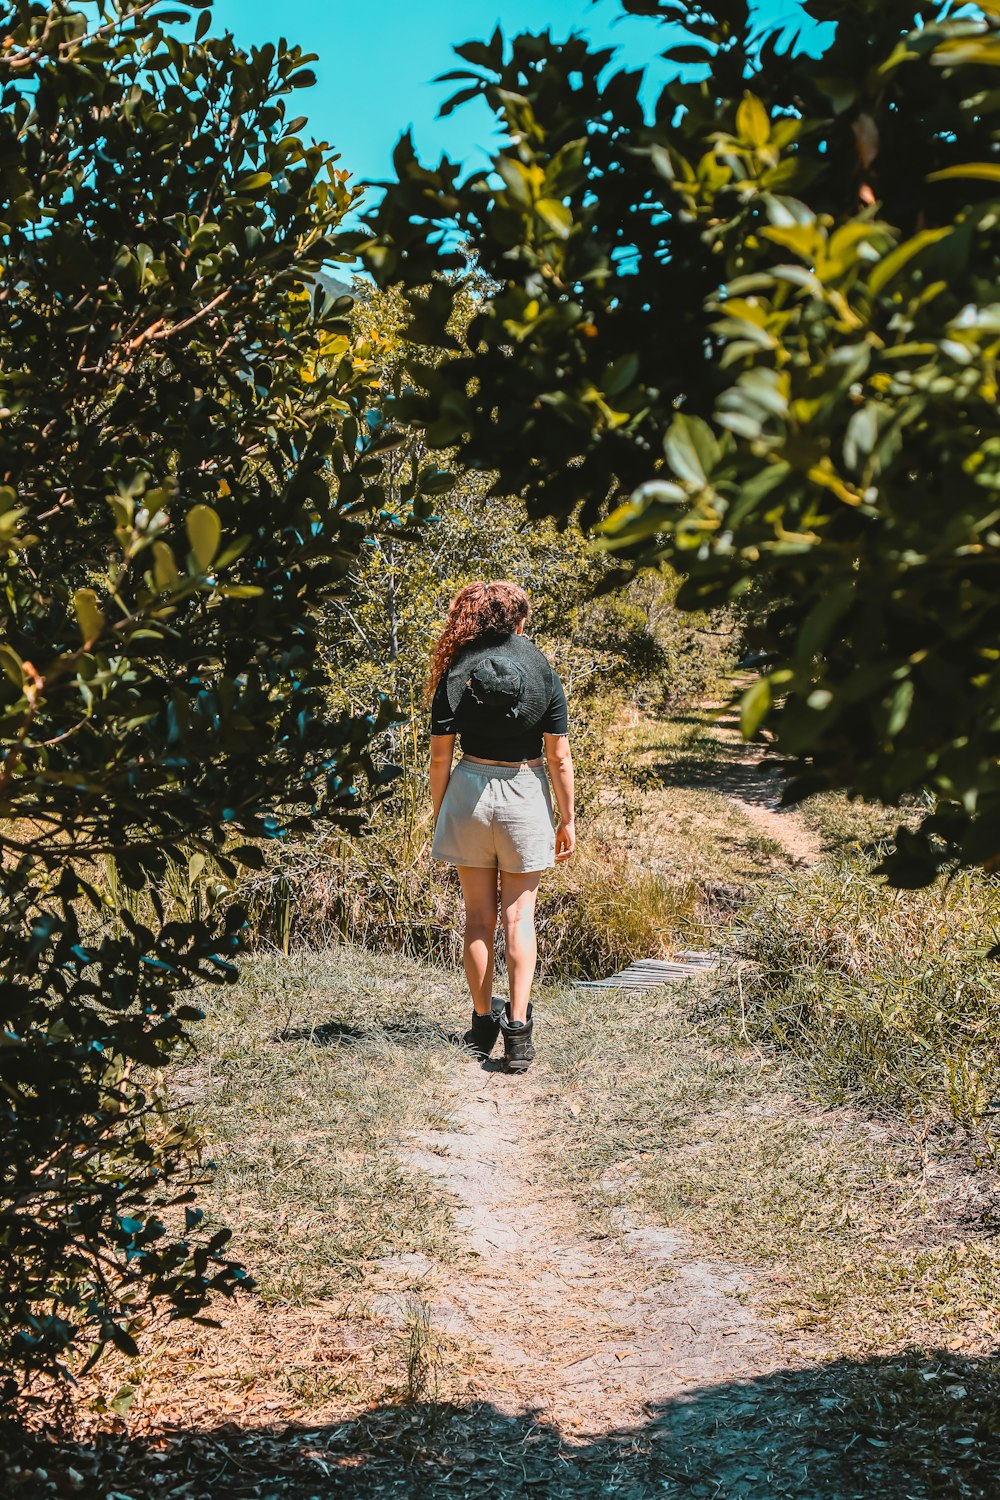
(493, 812)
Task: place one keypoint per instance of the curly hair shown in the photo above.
(480, 609)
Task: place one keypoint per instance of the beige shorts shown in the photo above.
(496, 817)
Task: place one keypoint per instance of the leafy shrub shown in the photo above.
(181, 467)
(816, 229)
(891, 994)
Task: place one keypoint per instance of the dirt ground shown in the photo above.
(533, 1358)
(532, 1352)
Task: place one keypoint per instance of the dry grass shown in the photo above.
(873, 1237)
(886, 994)
(690, 835)
(312, 1076)
(310, 1080)
(307, 1080)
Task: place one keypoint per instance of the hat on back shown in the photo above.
(507, 678)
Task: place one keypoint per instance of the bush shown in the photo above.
(178, 447)
(816, 229)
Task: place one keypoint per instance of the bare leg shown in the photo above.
(517, 908)
(479, 892)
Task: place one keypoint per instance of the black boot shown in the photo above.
(517, 1044)
(482, 1034)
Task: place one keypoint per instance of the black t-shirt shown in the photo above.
(487, 741)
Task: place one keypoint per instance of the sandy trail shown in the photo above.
(757, 793)
(592, 1332)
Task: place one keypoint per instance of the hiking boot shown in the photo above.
(517, 1046)
(482, 1034)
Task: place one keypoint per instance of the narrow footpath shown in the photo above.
(592, 1332)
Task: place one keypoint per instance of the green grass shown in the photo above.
(884, 995)
(843, 824)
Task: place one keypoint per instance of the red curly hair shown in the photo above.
(480, 609)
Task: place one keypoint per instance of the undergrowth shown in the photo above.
(885, 995)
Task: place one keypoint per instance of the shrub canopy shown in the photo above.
(755, 334)
(181, 490)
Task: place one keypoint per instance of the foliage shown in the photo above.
(182, 490)
(761, 328)
(406, 575)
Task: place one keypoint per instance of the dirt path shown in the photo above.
(757, 793)
(593, 1332)
(785, 825)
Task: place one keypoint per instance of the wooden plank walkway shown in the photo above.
(650, 973)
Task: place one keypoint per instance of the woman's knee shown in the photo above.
(480, 925)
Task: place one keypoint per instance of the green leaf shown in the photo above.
(122, 1400)
(752, 123)
(899, 707)
(691, 448)
(248, 855)
(891, 264)
(204, 531)
(89, 615)
(693, 52)
(253, 182)
(11, 665)
(861, 437)
(804, 239)
(979, 171)
(620, 374)
(516, 179)
(754, 707)
(650, 510)
(556, 215)
(432, 481)
(962, 51)
(165, 574)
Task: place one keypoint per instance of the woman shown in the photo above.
(493, 813)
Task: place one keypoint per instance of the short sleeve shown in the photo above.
(442, 717)
(555, 720)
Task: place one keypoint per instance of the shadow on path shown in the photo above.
(418, 1031)
(731, 767)
(897, 1429)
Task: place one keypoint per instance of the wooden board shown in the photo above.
(650, 973)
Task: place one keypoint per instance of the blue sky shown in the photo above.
(377, 62)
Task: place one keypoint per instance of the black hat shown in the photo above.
(505, 676)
